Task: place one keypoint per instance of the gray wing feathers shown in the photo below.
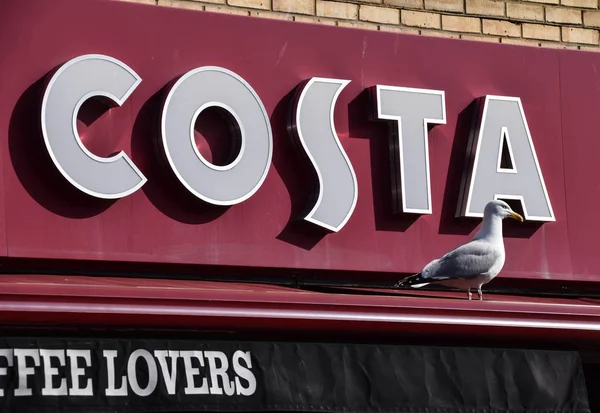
(466, 261)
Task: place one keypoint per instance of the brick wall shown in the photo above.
(571, 24)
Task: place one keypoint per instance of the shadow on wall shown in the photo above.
(298, 175)
(32, 163)
(461, 161)
(163, 189)
(380, 135)
(45, 184)
(449, 222)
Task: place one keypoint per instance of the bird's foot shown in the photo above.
(480, 294)
(469, 294)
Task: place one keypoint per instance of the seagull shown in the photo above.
(473, 264)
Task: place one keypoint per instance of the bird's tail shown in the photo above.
(415, 281)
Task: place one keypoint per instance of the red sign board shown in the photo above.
(43, 216)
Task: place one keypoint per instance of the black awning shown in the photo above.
(114, 375)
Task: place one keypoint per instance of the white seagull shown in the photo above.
(473, 264)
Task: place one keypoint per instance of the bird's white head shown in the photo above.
(501, 209)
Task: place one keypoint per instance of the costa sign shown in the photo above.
(301, 148)
(501, 132)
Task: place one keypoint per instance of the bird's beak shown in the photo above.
(516, 216)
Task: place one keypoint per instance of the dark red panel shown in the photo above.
(160, 223)
(580, 95)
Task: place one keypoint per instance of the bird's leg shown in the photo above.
(480, 294)
(469, 293)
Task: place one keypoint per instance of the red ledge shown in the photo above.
(117, 302)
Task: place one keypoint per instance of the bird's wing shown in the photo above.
(467, 261)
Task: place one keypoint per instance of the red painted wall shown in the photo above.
(42, 217)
